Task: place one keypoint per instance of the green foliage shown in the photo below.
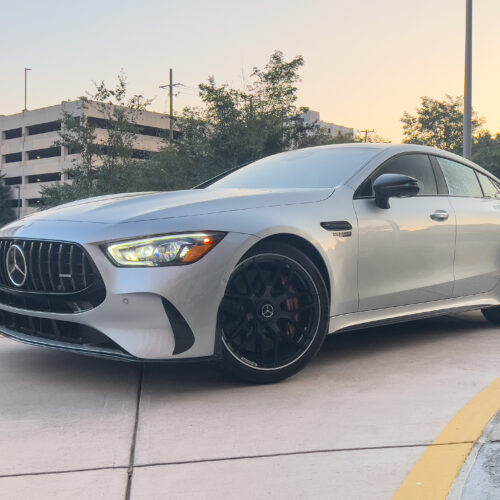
(439, 124)
(486, 151)
(106, 162)
(235, 127)
(6, 212)
(232, 127)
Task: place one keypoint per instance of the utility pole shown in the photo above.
(26, 87)
(171, 92)
(366, 132)
(170, 87)
(467, 151)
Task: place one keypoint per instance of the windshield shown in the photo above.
(305, 168)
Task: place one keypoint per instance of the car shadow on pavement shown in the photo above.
(54, 367)
(21, 364)
(342, 348)
(401, 335)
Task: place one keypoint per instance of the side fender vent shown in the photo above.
(336, 225)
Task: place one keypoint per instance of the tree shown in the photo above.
(439, 123)
(6, 211)
(235, 126)
(486, 151)
(106, 161)
(232, 127)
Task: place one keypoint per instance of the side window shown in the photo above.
(417, 166)
(461, 179)
(489, 187)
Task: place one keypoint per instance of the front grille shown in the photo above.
(32, 328)
(60, 277)
(52, 266)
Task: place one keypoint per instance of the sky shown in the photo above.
(366, 62)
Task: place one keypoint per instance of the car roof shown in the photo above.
(384, 145)
(394, 149)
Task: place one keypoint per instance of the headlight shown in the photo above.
(168, 250)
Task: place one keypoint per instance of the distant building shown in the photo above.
(29, 159)
(334, 130)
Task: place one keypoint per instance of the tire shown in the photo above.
(274, 315)
(492, 314)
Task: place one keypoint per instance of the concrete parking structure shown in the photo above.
(30, 158)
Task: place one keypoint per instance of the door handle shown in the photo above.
(439, 215)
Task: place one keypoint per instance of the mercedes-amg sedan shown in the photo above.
(257, 266)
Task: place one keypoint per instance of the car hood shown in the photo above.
(134, 207)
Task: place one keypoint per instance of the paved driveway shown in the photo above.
(350, 426)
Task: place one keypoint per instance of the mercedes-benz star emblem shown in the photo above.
(16, 265)
(267, 311)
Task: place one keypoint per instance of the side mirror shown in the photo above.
(393, 186)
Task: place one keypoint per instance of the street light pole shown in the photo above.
(26, 87)
(468, 83)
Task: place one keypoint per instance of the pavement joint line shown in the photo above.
(227, 459)
(130, 469)
(292, 453)
(67, 471)
(433, 475)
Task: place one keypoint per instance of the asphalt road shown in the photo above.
(350, 426)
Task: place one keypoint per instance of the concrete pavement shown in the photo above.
(350, 426)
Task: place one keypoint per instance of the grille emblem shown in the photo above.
(16, 265)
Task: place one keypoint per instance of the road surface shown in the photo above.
(350, 426)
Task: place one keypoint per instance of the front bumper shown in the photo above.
(161, 313)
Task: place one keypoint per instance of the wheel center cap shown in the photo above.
(267, 311)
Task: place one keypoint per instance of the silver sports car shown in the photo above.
(254, 268)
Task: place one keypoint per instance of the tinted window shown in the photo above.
(461, 179)
(489, 187)
(417, 166)
(305, 168)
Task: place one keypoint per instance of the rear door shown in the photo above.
(405, 252)
(476, 201)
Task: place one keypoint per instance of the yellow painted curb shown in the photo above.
(434, 473)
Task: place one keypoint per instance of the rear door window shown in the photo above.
(461, 179)
(490, 189)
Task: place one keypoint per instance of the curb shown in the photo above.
(432, 476)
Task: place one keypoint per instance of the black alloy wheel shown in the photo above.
(274, 314)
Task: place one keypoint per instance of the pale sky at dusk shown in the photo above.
(366, 62)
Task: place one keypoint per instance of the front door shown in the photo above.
(406, 252)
